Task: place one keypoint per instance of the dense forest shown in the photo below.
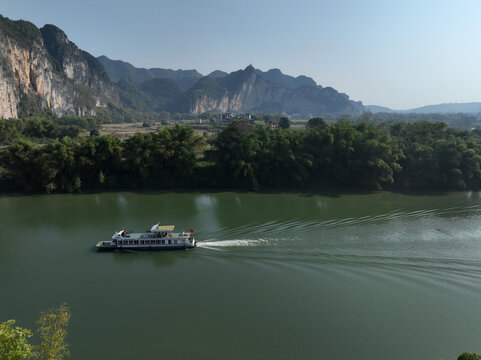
(49, 156)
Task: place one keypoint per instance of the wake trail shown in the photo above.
(214, 244)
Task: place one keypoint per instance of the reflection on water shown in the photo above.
(284, 276)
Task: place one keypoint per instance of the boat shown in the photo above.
(159, 237)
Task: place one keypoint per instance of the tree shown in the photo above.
(284, 123)
(14, 341)
(52, 328)
(166, 158)
(234, 153)
(316, 123)
(469, 356)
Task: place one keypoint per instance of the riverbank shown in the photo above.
(345, 155)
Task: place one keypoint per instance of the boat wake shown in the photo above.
(214, 244)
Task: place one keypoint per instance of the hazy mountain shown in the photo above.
(377, 108)
(218, 74)
(276, 76)
(248, 90)
(118, 69)
(42, 68)
(153, 95)
(474, 107)
(451, 108)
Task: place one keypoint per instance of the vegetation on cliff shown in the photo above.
(24, 32)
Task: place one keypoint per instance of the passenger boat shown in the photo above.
(159, 237)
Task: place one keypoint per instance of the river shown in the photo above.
(275, 276)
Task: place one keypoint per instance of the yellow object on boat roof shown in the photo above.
(165, 227)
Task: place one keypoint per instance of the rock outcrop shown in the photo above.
(248, 91)
(42, 68)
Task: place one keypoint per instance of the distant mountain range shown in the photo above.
(248, 90)
(43, 69)
(450, 108)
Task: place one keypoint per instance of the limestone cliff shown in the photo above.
(43, 68)
(247, 90)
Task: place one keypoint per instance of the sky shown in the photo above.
(399, 54)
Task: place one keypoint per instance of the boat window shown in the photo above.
(163, 241)
(170, 241)
(131, 242)
(136, 242)
(175, 241)
(157, 242)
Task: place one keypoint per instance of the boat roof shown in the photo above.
(163, 228)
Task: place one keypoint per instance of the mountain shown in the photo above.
(450, 108)
(377, 108)
(118, 69)
(248, 91)
(276, 76)
(474, 107)
(218, 74)
(42, 68)
(151, 96)
(244, 90)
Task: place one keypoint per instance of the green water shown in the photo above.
(275, 276)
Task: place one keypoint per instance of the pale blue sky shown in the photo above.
(400, 54)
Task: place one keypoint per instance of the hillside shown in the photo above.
(43, 69)
(118, 70)
(248, 90)
(276, 76)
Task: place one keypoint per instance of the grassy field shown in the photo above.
(126, 130)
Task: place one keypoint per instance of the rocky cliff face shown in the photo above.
(43, 68)
(246, 90)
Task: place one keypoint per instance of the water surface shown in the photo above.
(275, 276)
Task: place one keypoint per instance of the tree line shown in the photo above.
(41, 128)
(345, 154)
